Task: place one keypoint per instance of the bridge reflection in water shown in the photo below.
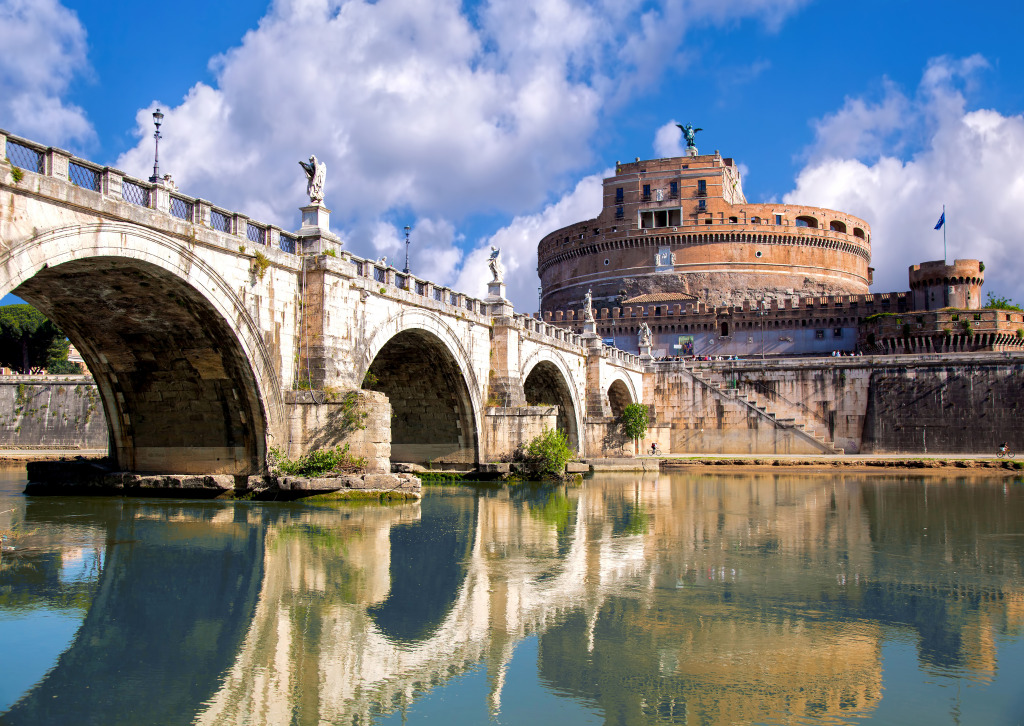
(696, 599)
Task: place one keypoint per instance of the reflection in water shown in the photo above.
(714, 599)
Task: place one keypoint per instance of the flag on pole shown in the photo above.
(942, 220)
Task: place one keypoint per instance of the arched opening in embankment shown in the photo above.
(177, 387)
(618, 398)
(432, 412)
(545, 385)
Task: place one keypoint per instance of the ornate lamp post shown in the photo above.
(407, 228)
(157, 119)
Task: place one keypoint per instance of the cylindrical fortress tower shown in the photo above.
(936, 285)
(682, 227)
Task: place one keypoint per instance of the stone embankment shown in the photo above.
(83, 476)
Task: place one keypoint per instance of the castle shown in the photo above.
(678, 247)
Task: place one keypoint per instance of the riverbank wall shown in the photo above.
(51, 412)
(949, 403)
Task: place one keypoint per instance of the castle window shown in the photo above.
(646, 196)
(778, 219)
(858, 232)
(734, 220)
(837, 332)
(673, 189)
(702, 187)
(807, 222)
(618, 195)
(702, 204)
(755, 220)
(837, 226)
(819, 334)
(618, 214)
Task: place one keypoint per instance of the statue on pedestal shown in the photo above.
(644, 336)
(494, 262)
(588, 305)
(316, 174)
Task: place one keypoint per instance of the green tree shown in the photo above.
(634, 421)
(28, 341)
(1001, 303)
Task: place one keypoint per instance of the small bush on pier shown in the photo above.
(319, 462)
(546, 455)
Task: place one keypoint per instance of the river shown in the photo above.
(682, 598)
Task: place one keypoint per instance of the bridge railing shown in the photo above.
(535, 325)
(387, 276)
(161, 197)
(614, 353)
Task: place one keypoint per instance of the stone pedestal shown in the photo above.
(645, 353)
(315, 234)
(590, 328)
(691, 150)
(497, 304)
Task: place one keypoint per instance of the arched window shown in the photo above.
(836, 226)
(806, 221)
(858, 232)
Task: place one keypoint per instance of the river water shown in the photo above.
(716, 598)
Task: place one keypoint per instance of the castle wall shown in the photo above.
(956, 403)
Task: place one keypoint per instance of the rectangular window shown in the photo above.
(702, 188)
(673, 189)
(702, 204)
(618, 195)
(837, 332)
(819, 334)
(647, 193)
(778, 219)
(618, 213)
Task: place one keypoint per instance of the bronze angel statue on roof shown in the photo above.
(688, 133)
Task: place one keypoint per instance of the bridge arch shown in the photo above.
(186, 380)
(621, 393)
(547, 378)
(419, 362)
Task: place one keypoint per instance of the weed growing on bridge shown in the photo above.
(17, 174)
(336, 460)
(260, 263)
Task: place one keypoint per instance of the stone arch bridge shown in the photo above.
(214, 338)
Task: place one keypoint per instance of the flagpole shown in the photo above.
(944, 225)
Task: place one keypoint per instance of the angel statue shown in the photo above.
(688, 133)
(316, 173)
(588, 307)
(494, 262)
(644, 336)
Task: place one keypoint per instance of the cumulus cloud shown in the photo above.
(518, 243)
(668, 141)
(433, 111)
(44, 49)
(968, 160)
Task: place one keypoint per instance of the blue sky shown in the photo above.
(494, 122)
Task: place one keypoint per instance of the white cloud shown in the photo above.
(432, 111)
(518, 244)
(668, 141)
(969, 161)
(44, 48)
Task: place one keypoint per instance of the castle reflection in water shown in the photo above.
(715, 599)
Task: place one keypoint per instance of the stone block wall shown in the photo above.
(508, 427)
(51, 412)
(361, 419)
